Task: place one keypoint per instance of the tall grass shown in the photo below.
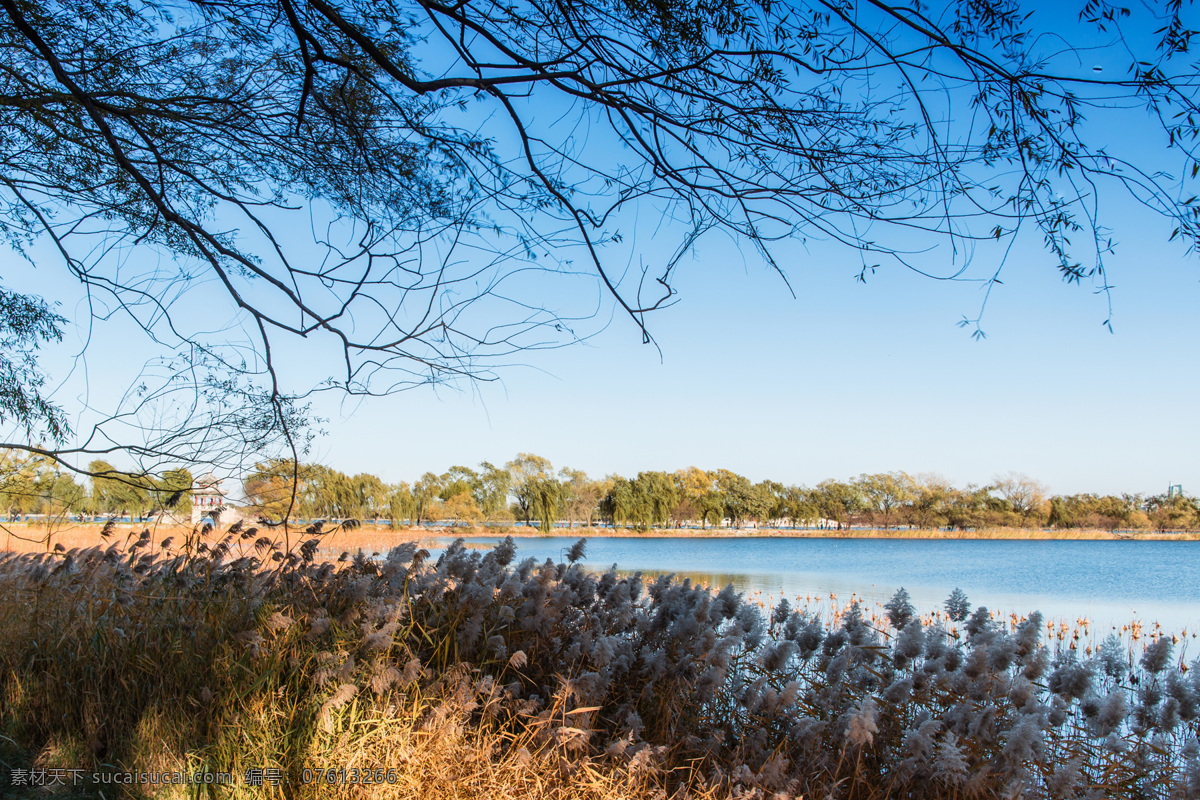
(476, 676)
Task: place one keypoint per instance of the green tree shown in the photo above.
(802, 505)
(971, 507)
(175, 492)
(777, 495)
(545, 497)
(461, 509)
(699, 496)
(618, 503)
(492, 492)
(581, 496)
(66, 496)
(276, 489)
(401, 505)
(371, 496)
(885, 493)
(115, 491)
(932, 496)
(18, 483)
(1025, 495)
(26, 323)
(459, 480)
(761, 503)
(736, 494)
(712, 507)
(1173, 512)
(34, 484)
(1063, 512)
(425, 497)
(328, 494)
(527, 474)
(840, 502)
(653, 499)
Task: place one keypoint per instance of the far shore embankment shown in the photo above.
(812, 533)
(27, 537)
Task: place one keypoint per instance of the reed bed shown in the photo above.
(36, 538)
(29, 538)
(1078, 633)
(480, 676)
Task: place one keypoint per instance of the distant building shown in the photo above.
(207, 497)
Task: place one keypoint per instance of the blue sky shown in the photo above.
(845, 378)
(849, 377)
(842, 379)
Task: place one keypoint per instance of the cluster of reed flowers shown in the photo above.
(241, 654)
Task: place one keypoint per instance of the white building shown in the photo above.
(207, 497)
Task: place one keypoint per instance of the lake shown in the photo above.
(1109, 582)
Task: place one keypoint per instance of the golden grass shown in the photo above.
(192, 672)
(472, 679)
(32, 538)
(370, 753)
(460, 760)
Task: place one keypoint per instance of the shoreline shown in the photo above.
(857, 533)
(33, 537)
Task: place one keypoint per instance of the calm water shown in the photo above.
(1110, 582)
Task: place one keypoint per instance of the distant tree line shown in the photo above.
(33, 485)
(531, 491)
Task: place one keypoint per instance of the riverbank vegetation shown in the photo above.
(478, 675)
(529, 490)
(39, 486)
(379, 538)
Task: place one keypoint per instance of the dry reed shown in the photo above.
(476, 676)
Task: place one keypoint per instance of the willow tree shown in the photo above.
(401, 506)
(275, 489)
(417, 191)
(533, 487)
